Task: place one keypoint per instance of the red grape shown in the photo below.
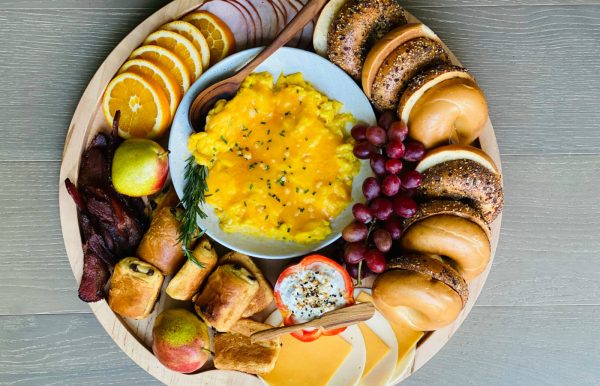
(393, 166)
(382, 239)
(363, 150)
(390, 185)
(394, 149)
(371, 188)
(378, 163)
(415, 151)
(411, 179)
(362, 213)
(382, 208)
(353, 271)
(386, 119)
(394, 227)
(398, 131)
(354, 232)
(376, 135)
(354, 252)
(359, 132)
(404, 206)
(375, 260)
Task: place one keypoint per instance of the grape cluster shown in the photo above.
(389, 194)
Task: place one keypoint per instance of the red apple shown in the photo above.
(181, 340)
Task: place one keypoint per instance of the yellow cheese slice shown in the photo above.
(308, 363)
(407, 338)
(376, 348)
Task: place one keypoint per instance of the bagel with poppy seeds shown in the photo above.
(443, 105)
(386, 45)
(357, 26)
(420, 291)
(400, 66)
(455, 232)
(462, 173)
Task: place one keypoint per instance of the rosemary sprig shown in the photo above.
(193, 198)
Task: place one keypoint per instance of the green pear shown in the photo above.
(139, 167)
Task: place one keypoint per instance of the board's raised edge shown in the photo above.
(82, 128)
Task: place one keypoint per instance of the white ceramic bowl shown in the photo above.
(324, 76)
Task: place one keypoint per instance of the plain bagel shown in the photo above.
(443, 105)
(420, 291)
(358, 24)
(456, 234)
(462, 173)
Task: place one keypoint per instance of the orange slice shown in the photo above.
(218, 35)
(194, 35)
(166, 60)
(180, 46)
(155, 74)
(144, 106)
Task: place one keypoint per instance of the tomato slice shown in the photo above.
(327, 275)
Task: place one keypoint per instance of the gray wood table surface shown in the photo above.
(537, 320)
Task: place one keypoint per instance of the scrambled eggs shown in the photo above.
(279, 158)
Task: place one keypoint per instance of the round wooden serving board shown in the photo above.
(134, 337)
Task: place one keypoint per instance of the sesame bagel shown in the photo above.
(421, 292)
(406, 61)
(386, 45)
(464, 179)
(358, 24)
(450, 207)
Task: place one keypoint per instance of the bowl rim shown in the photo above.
(182, 125)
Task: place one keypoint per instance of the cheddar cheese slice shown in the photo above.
(308, 363)
(376, 348)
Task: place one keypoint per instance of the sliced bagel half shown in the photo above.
(386, 45)
(326, 18)
(462, 173)
(420, 291)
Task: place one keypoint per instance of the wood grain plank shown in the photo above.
(536, 64)
(548, 251)
(495, 346)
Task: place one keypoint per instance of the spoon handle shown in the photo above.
(302, 18)
(335, 319)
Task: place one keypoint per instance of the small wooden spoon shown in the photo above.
(334, 319)
(227, 88)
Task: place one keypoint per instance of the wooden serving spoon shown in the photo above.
(227, 88)
(341, 317)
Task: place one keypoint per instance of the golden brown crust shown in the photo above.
(452, 111)
(160, 245)
(190, 277)
(451, 207)
(235, 351)
(134, 288)
(357, 26)
(459, 241)
(227, 293)
(451, 152)
(400, 66)
(435, 268)
(429, 77)
(465, 179)
(264, 296)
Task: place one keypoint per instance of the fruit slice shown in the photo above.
(166, 60)
(218, 35)
(157, 75)
(144, 106)
(194, 35)
(180, 46)
(386, 45)
(326, 17)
